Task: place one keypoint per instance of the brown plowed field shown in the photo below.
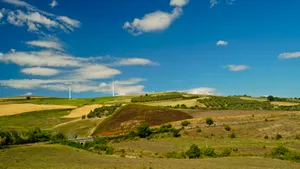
(131, 116)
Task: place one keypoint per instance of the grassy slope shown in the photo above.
(65, 101)
(57, 157)
(43, 119)
(81, 128)
(131, 116)
(250, 138)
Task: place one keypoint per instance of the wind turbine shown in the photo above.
(113, 87)
(70, 91)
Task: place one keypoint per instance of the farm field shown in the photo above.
(78, 127)
(79, 112)
(133, 115)
(189, 103)
(61, 157)
(45, 119)
(13, 109)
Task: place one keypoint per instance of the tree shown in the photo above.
(270, 98)
(144, 130)
(83, 117)
(28, 98)
(193, 152)
(209, 121)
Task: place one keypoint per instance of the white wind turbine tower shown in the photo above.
(70, 92)
(113, 87)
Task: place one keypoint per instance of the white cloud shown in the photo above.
(216, 2)
(135, 61)
(46, 44)
(33, 83)
(222, 43)
(96, 72)
(124, 90)
(202, 90)
(291, 55)
(40, 71)
(1, 15)
(156, 21)
(28, 94)
(179, 3)
(53, 3)
(237, 68)
(35, 19)
(69, 21)
(42, 58)
(129, 81)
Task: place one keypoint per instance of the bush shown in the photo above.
(232, 135)
(83, 117)
(266, 137)
(209, 121)
(58, 137)
(185, 123)
(198, 130)
(144, 130)
(280, 150)
(227, 127)
(193, 152)
(226, 152)
(209, 152)
(103, 111)
(28, 98)
(278, 136)
(175, 132)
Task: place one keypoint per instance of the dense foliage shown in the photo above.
(31, 136)
(234, 103)
(168, 96)
(103, 111)
(209, 121)
(193, 152)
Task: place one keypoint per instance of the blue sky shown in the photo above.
(208, 47)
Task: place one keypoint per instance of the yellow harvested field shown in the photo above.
(189, 103)
(13, 109)
(254, 98)
(284, 104)
(82, 111)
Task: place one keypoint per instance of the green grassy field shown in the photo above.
(81, 128)
(65, 101)
(43, 119)
(61, 157)
(249, 139)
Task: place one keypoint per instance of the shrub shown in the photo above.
(198, 130)
(266, 119)
(278, 136)
(209, 152)
(232, 135)
(209, 121)
(280, 150)
(175, 132)
(58, 137)
(266, 137)
(185, 123)
(297, 137)
(28, 98)
(83, 117)
(144, 130)
(226, 152)
(227, 127)
(109, 150)
(193, 152)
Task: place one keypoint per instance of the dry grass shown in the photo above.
(82, 111)
(61, 157)
(254, 98)
(13, 109)
(284, 104)
(189, 103)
